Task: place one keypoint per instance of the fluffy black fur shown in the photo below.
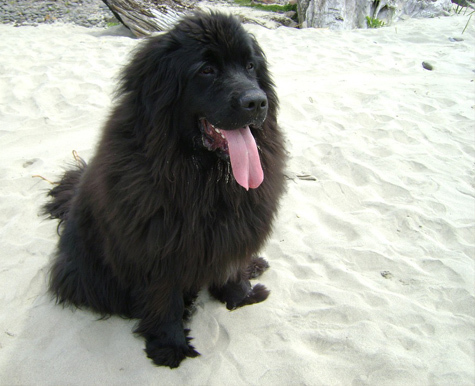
(157, 214)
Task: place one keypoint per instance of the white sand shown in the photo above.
(391, 147)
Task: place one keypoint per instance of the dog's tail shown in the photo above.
(58, 207)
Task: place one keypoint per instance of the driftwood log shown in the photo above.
(144, 17)
(465, 3)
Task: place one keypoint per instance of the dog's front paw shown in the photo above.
(167, 355)
(258, 294)
(257, 267)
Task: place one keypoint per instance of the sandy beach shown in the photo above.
(372, 256)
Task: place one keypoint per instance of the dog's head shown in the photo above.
(206, 84)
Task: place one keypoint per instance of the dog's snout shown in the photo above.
(254, 101)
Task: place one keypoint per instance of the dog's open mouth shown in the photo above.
(241, 147)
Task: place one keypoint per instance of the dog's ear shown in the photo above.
(150, 89)
(151, 78)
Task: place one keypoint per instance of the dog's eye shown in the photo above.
(250, 66)
(207, 70)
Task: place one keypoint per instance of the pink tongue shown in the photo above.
(244, 157)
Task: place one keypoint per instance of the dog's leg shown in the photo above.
(190, 308)
(239, 293)
(167, 343)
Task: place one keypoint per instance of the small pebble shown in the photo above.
(427, 66)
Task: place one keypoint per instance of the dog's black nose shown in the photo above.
(254, 101)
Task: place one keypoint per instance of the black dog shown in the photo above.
(164, 207)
